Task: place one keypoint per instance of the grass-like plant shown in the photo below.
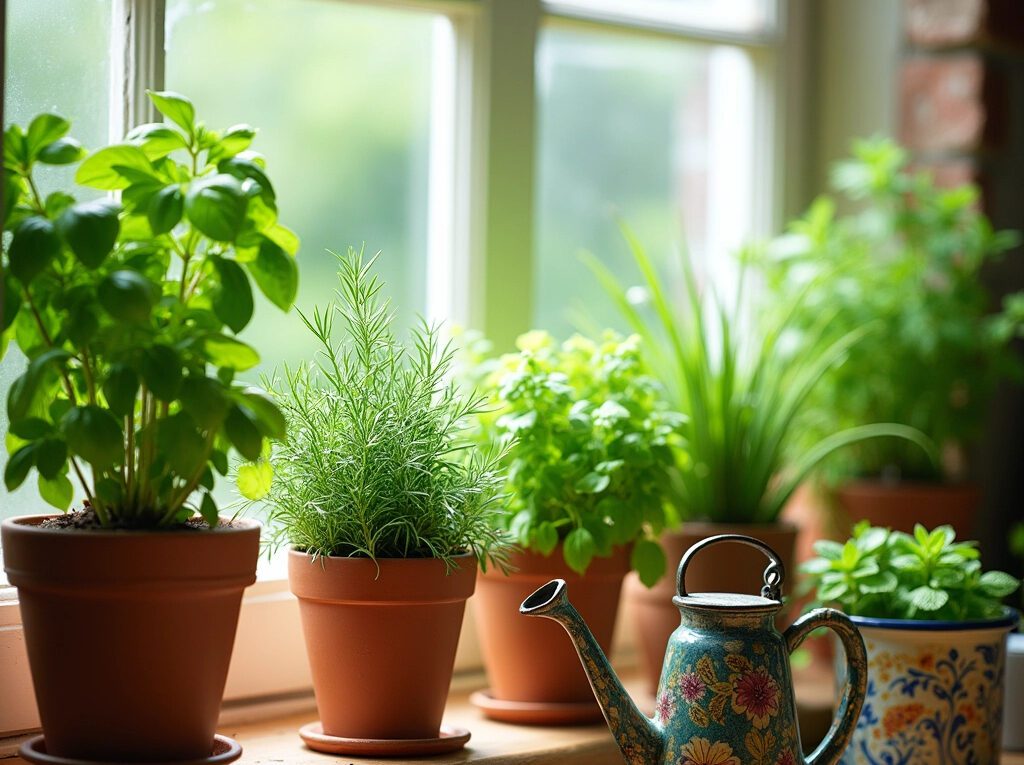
(891, 575)
(376, 465)
(741, 392)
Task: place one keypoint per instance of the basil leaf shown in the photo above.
(34, 244)
(175, 107)
(94, 435)
(276, 274)
(90, 230)
(232, 302)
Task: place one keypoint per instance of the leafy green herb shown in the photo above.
(376, 464)
(742, 394)
(908, 261)
(122, 306)
(590, 447)
(892, 575)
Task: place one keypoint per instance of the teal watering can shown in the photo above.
(726, 690)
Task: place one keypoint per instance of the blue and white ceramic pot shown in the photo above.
(935, 692)
(1013, 708)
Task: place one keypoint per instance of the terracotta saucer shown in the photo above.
(536, 712)
(224, 750)
(449, 740)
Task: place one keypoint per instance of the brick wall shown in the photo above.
(961, 111)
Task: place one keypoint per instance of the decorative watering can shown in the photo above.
(726, 692)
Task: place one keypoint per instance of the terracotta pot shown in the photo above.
(530, 660)
(812, 511)
(736, 568)
(129, 633)
(381, 640)
(899, 506)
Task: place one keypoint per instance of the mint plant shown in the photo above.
(378, 463)
(128, 306)
(907, 258)
(892, 575)
(590, 447)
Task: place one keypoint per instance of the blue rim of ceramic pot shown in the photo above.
(1010, 618)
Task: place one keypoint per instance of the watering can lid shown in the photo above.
(732, 601)
(770, 598)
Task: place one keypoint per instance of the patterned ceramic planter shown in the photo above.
(935, 692)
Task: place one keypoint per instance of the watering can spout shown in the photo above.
(638, 737)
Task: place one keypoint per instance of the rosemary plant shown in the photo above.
(376, 464)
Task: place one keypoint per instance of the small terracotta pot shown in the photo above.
(899, 506)
(736, 568)
(129, 634)
(529, 660)
(381, 640)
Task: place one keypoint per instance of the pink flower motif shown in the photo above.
(786, 758)
(755, 694)
(692, 687)
(665, 707)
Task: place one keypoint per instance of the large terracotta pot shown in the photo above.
(936, 691)
(381, 640)
(529, 660)
(736, 568)
(129, 634)
(901, 505)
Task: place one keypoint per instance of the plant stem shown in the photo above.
(186, 257)
(100, 511)
(176, 503)
(90, 380)
(129, 466)
(68, 386)
(142, 472)
(38, 317)
(36, 196)
(70, 389)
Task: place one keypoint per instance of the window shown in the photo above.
(743, 17)
(479, 146)
(656, 134)
(52, 65)
(345, 125)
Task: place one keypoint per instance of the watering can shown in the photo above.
(726, 691)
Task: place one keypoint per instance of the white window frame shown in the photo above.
(480, 232)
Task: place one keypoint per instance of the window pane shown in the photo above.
(56, 62)
(734, 16)
(655, 133)
(341, 96)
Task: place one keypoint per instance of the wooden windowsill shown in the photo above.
(275, 741)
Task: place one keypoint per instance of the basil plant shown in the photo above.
(127, 306)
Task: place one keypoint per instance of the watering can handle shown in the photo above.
(773, 574)
(831, 749)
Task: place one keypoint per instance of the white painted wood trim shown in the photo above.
(137, 62)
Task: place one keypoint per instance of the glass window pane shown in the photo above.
(654, 133)
(734, 16)
(56, 62)
(341, 96)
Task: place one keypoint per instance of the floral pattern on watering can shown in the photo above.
(932, 697)
(733, 699)
(726, 691)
